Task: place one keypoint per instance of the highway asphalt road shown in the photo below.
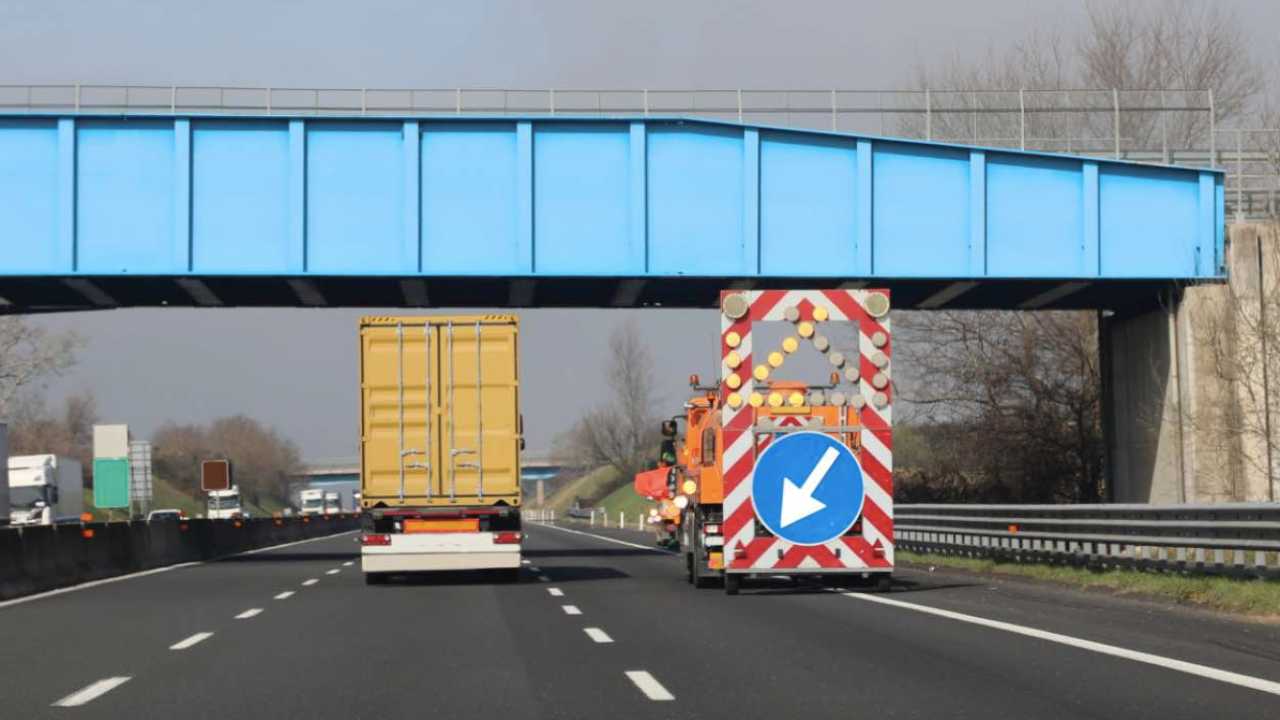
(599, 628)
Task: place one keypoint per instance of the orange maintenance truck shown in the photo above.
(780, 477)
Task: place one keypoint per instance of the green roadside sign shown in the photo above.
(111, 482)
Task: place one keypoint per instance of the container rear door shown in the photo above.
(429, 436)
(479, 414)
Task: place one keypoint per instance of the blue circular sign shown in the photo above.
(807, 488)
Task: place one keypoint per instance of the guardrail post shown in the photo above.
(1022, 118)
(621, 521)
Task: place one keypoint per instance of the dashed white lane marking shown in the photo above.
(194, 639)
(98, 689)
(598, 635)
(248, 613)
(334, 571)
(651, 688)
(535, 568)
(544, 578)
(155, 572)
(555, 592)
(571, 609)
(349, 563)
(524, 562)
(309, 583)
(1255, 683)
(609, 539)
(285, 595)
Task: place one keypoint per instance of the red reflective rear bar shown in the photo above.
(378, 539)
(506, 538)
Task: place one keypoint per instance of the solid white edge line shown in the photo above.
(608, 539)
(284, 595)
(310, 582)
(555, 592)
(649, 685)
(155, 571)
(91, 691)
(249, 613)
(1204, 671)
(193, 640)
(597, 635)
(571, 609)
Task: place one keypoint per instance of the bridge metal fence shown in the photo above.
(1163, 125)
(1230, 538)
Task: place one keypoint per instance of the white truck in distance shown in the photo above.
(332, 503)
(44, 489)
(224, 504)
(312, 501)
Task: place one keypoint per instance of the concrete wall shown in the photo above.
(1187, 385)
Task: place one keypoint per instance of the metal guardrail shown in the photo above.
(1168, 126)
(1230, 538)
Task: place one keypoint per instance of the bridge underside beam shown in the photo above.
(33, 295)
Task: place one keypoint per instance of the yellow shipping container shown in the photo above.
(440, 411)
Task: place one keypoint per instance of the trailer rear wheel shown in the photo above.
(884, 583)
(731, 583)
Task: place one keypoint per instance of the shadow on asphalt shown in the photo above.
(593, 552)
(805, 586)
(277, 557)
(484, 577)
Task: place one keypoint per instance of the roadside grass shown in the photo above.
(594, 484)
(1259, 598)
(625, 500)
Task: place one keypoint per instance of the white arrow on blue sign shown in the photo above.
(807, 488)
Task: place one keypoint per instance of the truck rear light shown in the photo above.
(378, 539)
(739, 552)
(87, 533)
(711, 529)
(506, 538)
(877, 551)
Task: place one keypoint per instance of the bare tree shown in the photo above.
(263, 460)
(621, 433)
(28, 355)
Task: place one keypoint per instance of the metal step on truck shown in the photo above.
(440, 445)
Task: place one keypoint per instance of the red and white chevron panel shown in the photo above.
(872, 548)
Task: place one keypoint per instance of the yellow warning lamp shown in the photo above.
(734, 381)
(756, 399)
(835, 378)
(762, 372)
(733, 359)
(795, 399)
(775, 359)
(733, 339)
(775, 399)
(790, 344)
(805, 329)
(734, 400)
(820, 314)
(689, 487)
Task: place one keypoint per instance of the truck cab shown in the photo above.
(312, 501)
(224, 504)
(332, 503)
(44, 489)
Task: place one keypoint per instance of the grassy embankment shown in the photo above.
(1247, 597)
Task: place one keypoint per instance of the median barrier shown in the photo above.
(39, 558)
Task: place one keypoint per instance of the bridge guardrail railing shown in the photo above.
(1169, 126)
(1230, 538)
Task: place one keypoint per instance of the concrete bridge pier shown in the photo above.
(1190, 387)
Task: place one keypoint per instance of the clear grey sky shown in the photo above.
(297, 368)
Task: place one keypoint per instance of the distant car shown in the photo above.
(163, 515)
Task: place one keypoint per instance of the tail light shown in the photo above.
(239, 524)
(711, 529)
(739, 552)
(506, 538)
(183, 527)
(375, 539)
(87, 533)
(877, 551)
